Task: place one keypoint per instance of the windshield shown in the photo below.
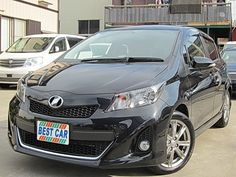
(33, 44)
(229, 56)
(125, 44)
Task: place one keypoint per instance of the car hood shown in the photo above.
(6, 55)
(94, 78)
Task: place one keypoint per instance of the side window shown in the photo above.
(73, 41)
(195, 47)
(211, 48)
(59, 46)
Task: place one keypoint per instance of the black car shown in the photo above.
(127, 97)
(229, 56)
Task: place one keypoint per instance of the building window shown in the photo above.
(12, 30)
(19, 29)
(5, 31)
(88, 26)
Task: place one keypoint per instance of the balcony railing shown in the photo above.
(212, 14)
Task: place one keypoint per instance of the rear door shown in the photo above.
(201, 91)
(218, 72)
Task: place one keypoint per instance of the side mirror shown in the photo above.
(203, 63)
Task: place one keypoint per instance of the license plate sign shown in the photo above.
(53, 132)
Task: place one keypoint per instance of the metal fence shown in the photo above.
(219, 13)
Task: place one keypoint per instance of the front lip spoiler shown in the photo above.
(59, 154)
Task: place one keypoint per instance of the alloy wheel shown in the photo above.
(178, 144)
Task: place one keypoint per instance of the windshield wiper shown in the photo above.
(123, 59)
(144, 59)
(104, 60)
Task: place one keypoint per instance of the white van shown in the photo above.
(31, 53)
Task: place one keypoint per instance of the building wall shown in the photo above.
(71, 11)
(233, 4)
(21, 17)
(54, 3)
(18, 9)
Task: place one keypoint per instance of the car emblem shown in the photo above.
(10, 61)
(55, 101)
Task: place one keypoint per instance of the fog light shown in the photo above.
(144, 145)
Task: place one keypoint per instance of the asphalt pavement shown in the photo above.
(214, 155)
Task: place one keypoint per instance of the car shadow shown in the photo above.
(8, 87)
(52, 168)
(233, 96)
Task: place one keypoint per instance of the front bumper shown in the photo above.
(122, 129)
(12, 75)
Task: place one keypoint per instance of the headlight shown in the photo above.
(34, 61)
(136, 98)
(21, 90)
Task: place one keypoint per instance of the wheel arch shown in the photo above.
(183, 109)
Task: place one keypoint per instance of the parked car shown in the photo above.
(229, 56)
(230, 44)
(31, 53)
(127, 97)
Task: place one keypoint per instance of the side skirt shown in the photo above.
(208, 124)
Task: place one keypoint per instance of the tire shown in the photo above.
(224, 120)
(180, 153)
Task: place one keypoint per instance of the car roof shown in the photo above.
(56, 35)
(184, 29)
(154, 27)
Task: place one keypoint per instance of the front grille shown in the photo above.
(9, 79)
(76, 148)
(12, 63)
(84, 111)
